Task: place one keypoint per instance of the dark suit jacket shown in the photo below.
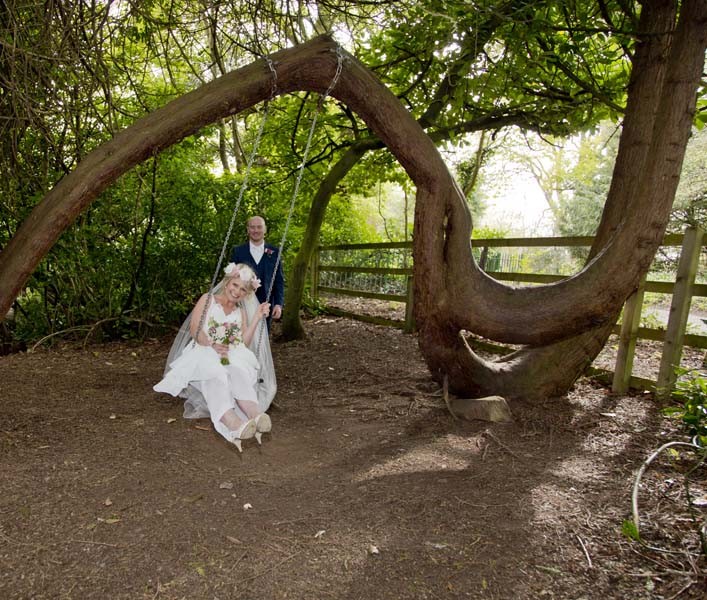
(264, 270)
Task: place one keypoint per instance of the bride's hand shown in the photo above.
(264, 309)
(221, 349)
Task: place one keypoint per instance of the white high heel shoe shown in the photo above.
(263, 424)
(244, 432)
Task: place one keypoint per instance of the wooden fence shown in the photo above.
(674, 336)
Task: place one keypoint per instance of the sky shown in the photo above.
(515, 202)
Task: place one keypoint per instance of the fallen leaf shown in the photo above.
(373, 549)
(226, 485)
(552, 570)
(437, 546)
(247, 505)
(171, 420)
(320, 533)
(107, 502)
(113, 416)
(233, 540)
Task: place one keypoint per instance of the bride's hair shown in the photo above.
(244, 272)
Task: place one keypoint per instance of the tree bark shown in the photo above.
(292, 328)
(658, 119)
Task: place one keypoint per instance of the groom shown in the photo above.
(263, 258)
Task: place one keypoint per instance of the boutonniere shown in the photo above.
(269, 251)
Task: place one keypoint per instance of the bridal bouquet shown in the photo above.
(224, 333)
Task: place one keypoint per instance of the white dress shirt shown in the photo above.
(257, 252)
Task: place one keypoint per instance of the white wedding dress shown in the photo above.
(212, 388)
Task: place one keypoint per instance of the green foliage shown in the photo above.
(691, 391)
(586, 185)
(651, 320)
(149, 245)
(690, 207)
(488, 233)
(312, 307)
(629, 529)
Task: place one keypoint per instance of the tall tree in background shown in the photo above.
(690, 207)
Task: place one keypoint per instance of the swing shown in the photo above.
(187, 375)
(244, 185)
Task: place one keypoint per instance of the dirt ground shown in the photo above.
(367, 487)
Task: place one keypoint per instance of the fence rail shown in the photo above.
(329, 276)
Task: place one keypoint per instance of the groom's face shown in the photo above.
(256, 230)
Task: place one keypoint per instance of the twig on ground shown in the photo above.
(157, 591)
(644, 466)
(240, 558)
(92, 542)
(681, 590)
(290, 521)
(272, 568)
(51, 335)
(581, 543)
(481, 505)
(109, 319)
(691, 507)
(552, 570)
(500, 443)
(91, 328)
(9, 539)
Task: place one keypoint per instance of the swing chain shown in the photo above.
(241, 191)
(320, 106)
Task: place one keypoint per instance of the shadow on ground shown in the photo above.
(367, 487)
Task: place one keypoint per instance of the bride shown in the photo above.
(221, 362)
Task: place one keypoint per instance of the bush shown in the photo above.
(691, 391)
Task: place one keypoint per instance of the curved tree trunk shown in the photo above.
(504, 313)
(292, 328)
(451, 292)
(658, 108)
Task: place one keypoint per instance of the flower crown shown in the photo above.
(244, 273)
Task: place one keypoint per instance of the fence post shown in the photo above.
(409, 314)
(627, 340)
(314, 273)
(679, 311)
(483, 257)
